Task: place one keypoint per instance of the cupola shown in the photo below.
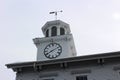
(55, 28)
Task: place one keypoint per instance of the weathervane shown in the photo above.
(55, 12)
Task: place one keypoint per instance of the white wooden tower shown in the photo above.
(57, 43)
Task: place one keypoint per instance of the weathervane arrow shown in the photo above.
(55, 12)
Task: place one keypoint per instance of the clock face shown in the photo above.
(52, 50)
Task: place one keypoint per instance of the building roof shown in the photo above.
(109, 55)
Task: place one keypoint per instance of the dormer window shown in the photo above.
(54, 31)
(47, 33)
(62, 31)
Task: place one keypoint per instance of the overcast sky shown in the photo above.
(95, 25)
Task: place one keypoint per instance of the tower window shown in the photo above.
(62, 31)
(81, 77)
(53, 31)
(47, 33)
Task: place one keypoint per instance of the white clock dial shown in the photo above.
(52, 50)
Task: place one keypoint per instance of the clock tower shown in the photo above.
(58, 41)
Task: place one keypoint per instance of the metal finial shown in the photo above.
(55, 12)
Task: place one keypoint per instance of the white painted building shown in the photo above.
(57, 60)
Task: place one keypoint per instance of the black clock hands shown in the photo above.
(52, 50)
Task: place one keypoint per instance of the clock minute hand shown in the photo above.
(52, 50)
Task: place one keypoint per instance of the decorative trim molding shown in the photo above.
(48, 75)
(64, 65)
(116, 68)
(80, 71)
(50, 39)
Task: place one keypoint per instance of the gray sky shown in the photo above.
(95, 25)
